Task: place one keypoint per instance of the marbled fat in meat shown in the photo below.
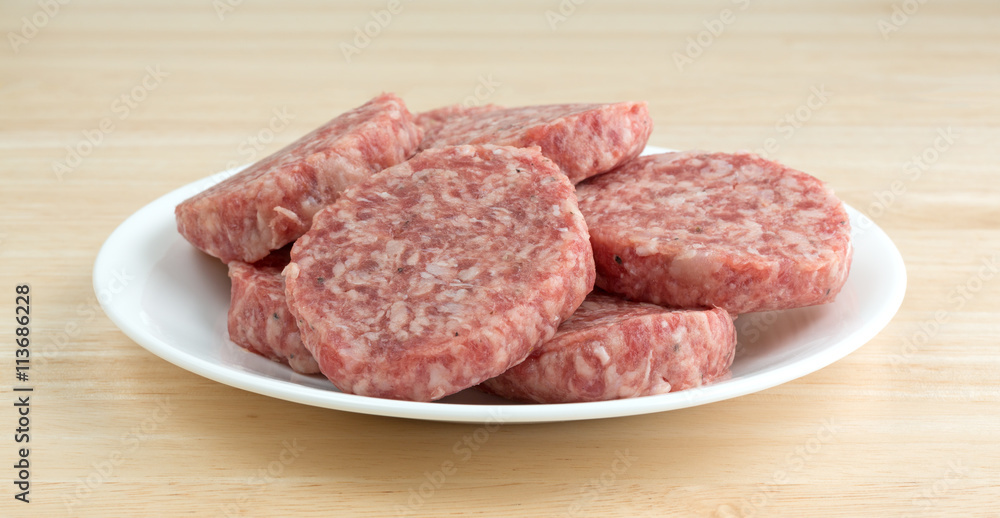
(736, 231)
(611, 348)
(272, 202)
(259, 320)
(582, 139)
(431, 119)
(441, 272)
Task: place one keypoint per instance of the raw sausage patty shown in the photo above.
(611, 349)
(259, 320)
(729, 230)
(441, 272)
(431, 119)
(272, 202)
(582, 139)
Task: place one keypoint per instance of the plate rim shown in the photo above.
(480, 413)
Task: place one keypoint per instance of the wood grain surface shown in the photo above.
(894, 103)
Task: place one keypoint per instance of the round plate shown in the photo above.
(172, 300)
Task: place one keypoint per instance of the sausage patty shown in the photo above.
(730, 230)
(611, 349)
(441, 272)
(259, 320)
(582, 139)
(272, 202)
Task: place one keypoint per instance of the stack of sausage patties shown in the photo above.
(461, 247)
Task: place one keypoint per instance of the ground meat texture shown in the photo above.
(441, 272)
(583, 139)
(612, 349)
(259, 320)
(729, 230)
(431, 119)
(273, 201)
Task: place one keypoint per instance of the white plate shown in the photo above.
(172, 300)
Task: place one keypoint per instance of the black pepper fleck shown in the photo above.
(618, 259)
(276, 317)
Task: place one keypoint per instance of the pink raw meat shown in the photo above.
(736, 231)
(433, 118)
(272, 202)
(441, 272)
(582, 139)
(611, 349)
(259, 320)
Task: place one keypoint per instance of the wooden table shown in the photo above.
(107, 106)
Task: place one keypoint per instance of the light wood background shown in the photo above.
(118, 432)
